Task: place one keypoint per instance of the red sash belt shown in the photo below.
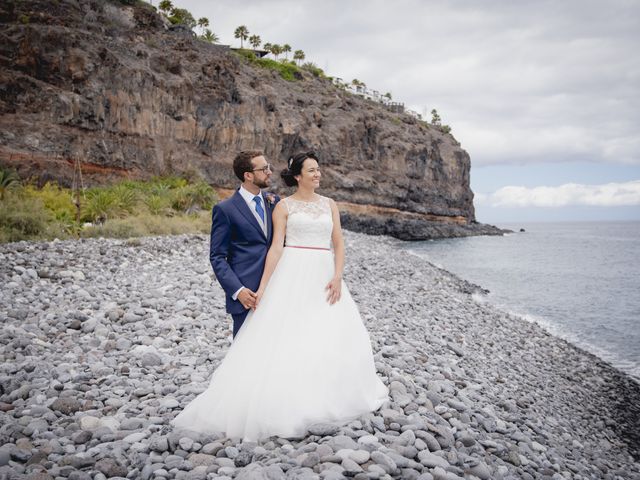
(308, 248)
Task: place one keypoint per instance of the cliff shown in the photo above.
(118, 88)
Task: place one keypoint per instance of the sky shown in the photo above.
(543, 95)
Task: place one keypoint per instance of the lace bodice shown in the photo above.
(309, 224)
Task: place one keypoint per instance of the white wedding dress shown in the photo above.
(297, 360)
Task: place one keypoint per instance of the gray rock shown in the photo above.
(173, 461)
(82, 436)
(186, 443)
(432, 460)
(342, 441)
(309, 460)
(429, 439)
(78, 461)
(473, 412)
(243, 459)
(131, 424)
(425, 476)
(67, 405)
(111, 468)
(384, 462)
(360, 456)
(159, 444)
(130, 317)
(480, 470)
(351, 468)
(323, 429)
(150, 359)
(231, 452)
(5, 456)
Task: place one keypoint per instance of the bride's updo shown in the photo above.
(294, 167)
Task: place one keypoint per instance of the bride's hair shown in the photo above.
(294, 167)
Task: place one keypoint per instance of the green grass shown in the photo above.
(315, 70)
(287, 69)
(132, 208)
(142, 225)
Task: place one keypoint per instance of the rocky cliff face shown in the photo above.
(118, 89)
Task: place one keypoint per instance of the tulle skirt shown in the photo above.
(296, 361)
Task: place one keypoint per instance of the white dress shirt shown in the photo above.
(248, 197)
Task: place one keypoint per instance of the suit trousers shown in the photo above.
(238, 320)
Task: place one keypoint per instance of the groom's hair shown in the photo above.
(242, 162)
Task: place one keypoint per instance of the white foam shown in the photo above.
(554, 329)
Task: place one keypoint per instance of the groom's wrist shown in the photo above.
(235, 295)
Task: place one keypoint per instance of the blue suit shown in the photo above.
(238, 250)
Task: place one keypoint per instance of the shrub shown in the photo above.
(9, 180)
(196, 195)
(56, 199)
(25, 218)
(119, 228)
(248, 54)
(59, 201)
(314, 70)
(157, 204)
(165, 183)
(100, 205)
(143, 225)
(128, 209)
(126, 198)
(287, 70)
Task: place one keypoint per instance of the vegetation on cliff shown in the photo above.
(124, 93)
(163, 205)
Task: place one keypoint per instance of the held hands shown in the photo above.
(247, 298)
(259, 294)
(334, 289)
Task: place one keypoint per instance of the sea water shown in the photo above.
(580, 281)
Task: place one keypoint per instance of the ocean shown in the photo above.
(580, 281)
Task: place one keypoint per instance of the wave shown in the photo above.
(628, 367)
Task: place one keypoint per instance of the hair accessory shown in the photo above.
(289, 163)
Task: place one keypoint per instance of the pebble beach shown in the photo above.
(104, 341)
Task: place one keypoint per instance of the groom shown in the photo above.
(241, 234)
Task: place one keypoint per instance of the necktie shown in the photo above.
(259, 209)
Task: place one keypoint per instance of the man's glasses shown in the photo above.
(267, 168)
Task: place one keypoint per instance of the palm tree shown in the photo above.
(286, 48)
(298, 56)
(203, 22)
(209, 36)
(267, 46)
(242, 32)
(165, 6)
(8, 179)
(182, 16)
(388, 95)
(255, 41)
(276, 50)
(435, 117)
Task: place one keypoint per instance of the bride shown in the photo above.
(303, 356)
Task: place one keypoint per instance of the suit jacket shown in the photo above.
(238, 246)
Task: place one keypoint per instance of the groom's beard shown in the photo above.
(262, 183)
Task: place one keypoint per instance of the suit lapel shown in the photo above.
(268, 213)
(242, 206)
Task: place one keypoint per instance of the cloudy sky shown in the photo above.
(544, 95)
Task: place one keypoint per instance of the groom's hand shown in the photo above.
(247, 298)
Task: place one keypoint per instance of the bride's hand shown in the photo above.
(334, 289)
(259, 294)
